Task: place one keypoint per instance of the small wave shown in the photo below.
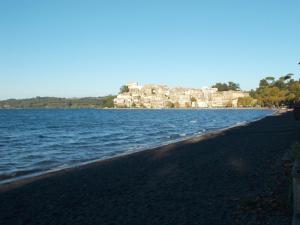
(63, 166)
(41, 136)
(101, 136)
(241, 123)
(156, 133)
(53, 127)
(45, 162)
(31, 157)
(18, 173)
(174, 136)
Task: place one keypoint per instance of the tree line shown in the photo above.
(52, 102)
(271, 92)
(284, 91)
(229, 86)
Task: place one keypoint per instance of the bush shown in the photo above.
(246, 102)
(170, 105)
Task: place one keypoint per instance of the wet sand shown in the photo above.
(229, 177)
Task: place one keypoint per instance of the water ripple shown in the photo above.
(32, 141)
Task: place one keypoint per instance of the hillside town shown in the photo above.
(162, 96)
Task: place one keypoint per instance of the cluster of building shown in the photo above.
(162, 96)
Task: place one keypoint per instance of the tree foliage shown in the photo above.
(272, 92)
(246, 102)
(230, 86)
(124, 89)
(52, 102)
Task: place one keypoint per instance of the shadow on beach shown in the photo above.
(230, 177)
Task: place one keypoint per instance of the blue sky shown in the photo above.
(75, 48)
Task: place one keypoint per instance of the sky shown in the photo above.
(72, 48)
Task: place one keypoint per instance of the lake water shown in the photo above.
(39, 140)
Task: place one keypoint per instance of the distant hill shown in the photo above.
(53, 102)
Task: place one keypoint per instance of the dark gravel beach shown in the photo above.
(233, 177)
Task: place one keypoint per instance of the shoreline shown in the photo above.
(213, 108)
(203, 180)
(27, 180)
(22, 180)
(17, 182)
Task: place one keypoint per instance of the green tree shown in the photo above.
(124, 89)
(227, 86)
(277, 92)
(221, 86)
(233, 86)
(246, 102)
(270, 80)
(263, 83)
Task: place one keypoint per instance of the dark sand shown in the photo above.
(212, 180)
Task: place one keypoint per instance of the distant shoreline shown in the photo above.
(255, 108)
(263, 108)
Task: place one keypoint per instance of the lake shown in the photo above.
(34, 141)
